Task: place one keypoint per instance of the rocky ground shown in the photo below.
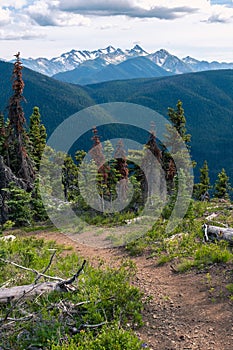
(190, 311)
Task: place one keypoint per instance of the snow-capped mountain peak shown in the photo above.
(111, 55)
(190, 60)
(136, 51)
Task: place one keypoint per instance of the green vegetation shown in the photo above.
(206, 96)
(104, 308)
(222, 185)
(184, 247)
(102, 297)
(201, 189)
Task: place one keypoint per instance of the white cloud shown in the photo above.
(217, 18)
(46, 13)
(17, 4)
(5, 17)
(133, 9)
(20, 35)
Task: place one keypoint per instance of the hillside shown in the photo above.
(55, 99)
(96, 71)
(208, 102)
(207, 99)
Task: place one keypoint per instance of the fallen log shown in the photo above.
(212, 233)
(19, 292)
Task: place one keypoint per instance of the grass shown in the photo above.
(102, 296)
(185, 245)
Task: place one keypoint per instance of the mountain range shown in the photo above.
(87, 67)
(207, 100)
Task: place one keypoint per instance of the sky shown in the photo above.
(202, 29)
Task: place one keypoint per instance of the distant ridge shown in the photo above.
(75, 58)
(96, 71)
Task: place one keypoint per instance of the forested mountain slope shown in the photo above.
(208, 102)
(55, 99)
(207, 99)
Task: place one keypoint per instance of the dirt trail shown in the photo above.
(186, 311)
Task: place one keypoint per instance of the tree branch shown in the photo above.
(46, 269)
(39, 274)
(72, 279)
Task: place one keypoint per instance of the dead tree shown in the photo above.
(14, 294)
(217, 233)
(18, 158)
(122, 168)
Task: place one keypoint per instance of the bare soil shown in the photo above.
(190, 311)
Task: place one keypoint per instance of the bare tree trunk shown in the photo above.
(19, 292)
(15, 293)
(217, 233)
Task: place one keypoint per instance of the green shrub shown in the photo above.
(108, 338)
(101, 296)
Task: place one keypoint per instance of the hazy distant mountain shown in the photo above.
(75, 58)
(198, 66)
(97, 71)
(169, 62)
(71, 60)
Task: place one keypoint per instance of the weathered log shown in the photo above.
(212, 233)
(25, 291)
(17, 292)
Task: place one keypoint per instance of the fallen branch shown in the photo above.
(19, 292)
(39, 274)
(212, 233)
(47, 267)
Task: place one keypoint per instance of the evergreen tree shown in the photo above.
(17, 140)
(37, 135)
(79, 156)
(38, 209)
(222, 185)
(70, 178)
(19, 206)
(201, 189)
(178, 121)
(176, 159)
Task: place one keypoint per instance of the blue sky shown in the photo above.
(46, 28)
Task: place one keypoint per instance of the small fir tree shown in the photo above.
(37, 135)
(178, 120)
(19, 206)
(201, 189)
(222, 185)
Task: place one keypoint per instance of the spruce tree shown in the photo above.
(70, 178)
(17, 140)
(37, 135)
(176, 159)
(178, 120)
(222, 185)
(201, 189)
